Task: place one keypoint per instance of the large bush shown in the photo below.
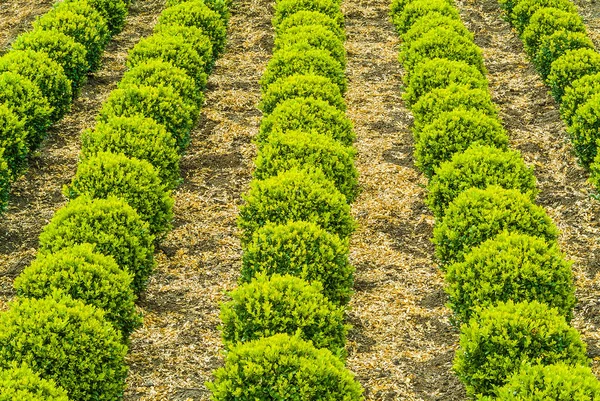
(113, 11)
(83, 274)
(287, 8)
(283, 368)
(112, 226)
(435, 20)
(12, 142)
(494, 345)
(197, 38)
(571, 66)
(304, 250)
(418, 9)
(20, 383)
(577, 95)
(67, 341)
(220, 6)
(306, 17)
(547, 21)
(308, 37)
(585, 130)
(554, 46)
(524, 10)
(477, 215)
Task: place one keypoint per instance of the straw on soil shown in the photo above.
(16, 17)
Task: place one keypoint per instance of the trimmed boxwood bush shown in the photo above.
(453, 132)
(5, 180)
(112, 226)
(199, 40)
(577, 94)
(113, 11)
(511, 266)
(307, 115)
(585, 130)
(67, 341)
(435, 20)
(287, 8)
(304, 250)
(295, 195)
(220, 6)
(304, 150)
(547, 21)
(478, 167)
(283, 304)
(139, 137)
(477, 215)
(83, 274)
(20, 383)
(525, 9)
(496, 343)
(553, 46)
(421, 9)
(283, 367)
(305, 17)
(12, 142)
(594, 173)
(308, 37)
(574, 64)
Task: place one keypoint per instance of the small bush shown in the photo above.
(307, 115)
(139, 137)
(113, 11)
(525, 9)
(19, 383)
(283, 367)
(295, 195)
(12, 142)
(478, 167)
(574, 64)
(112, 226)
(67, 341)
(511, 266)
(135, 181)
(303, 250)
(435, 20)
(308, 37)
(302, 18)
(283, 304)
(547, 21)
(453, 132)
(585, 130)
(83, 274)
(199, 40)
(287, 8)
(594, 173)
(420, 9)
(577, 94)
(5, 180)
(554, 46)
(494, 345)
(477, 215)
(220, 6)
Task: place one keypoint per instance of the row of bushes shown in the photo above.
(67, 332)
(42, 73)
(284, 328)
(509, 286)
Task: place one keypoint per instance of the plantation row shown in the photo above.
(509, 286)
(42, 73)
(284, 328)
(66, 334)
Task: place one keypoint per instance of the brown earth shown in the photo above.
(16, 17)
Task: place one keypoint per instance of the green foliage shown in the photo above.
(547, 21)
(511, 266)
(199, 41)
(571, 66)
(496, 343)
(594, 173)
(112, 226)
(135, 181)
(113, 11)
(295, 195)
(307, 115)
(283, 368)
(553, 46)
(478, 167)
(220, 6)
(12, 142)
(283, 304)
(306, 37)
(577, 94)
(304, 250)
(4, 182)
(83, 274)
(19, 383)
(302, 18)
(139, 137)
(477, 215)
(453, 132)
(585, 130)
(287, 8)
(435, 20)
(418, 9)
(524, 10)
(67, 341)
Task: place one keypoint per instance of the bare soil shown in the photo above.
(16, 17)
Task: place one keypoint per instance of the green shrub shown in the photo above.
(309, 150)
(161, 103)
(453, 132)
(303, 250)
(12, 142)
(553, 46)
(60, 48)
(113, 11)
(585, 130)
(511, 266)
(435, 20)
(66, 341)
(594, 173)
(577, 94)
(421, 9)
(199, 40)
(440, 73)
(139, 137)
(220, 6)
(477, 215)
(305, 17)
(308, 37)
(19, 383)
(495, 344)
(571, 66)
(5, 180)
(283, 368)
(295, 195)
(46, 74)
(135, 181)
(287, 8)
(307, 115)
(283, 304)
(112, 226)
(525, 9)
(478, 167)
(83, 274)
(547, 21)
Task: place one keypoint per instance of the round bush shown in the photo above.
(139, 137)
(12, 142)
(478, 167)
(307, 115)
(525, 9)
(594, 173)
(220, 6)
(67, 341)
(283, 304)
(199, 40)
(554, 46)
(309, 150)
(113, 11)
(304, 17)
(577, 94)
(435, 20)
(547, 21)
(5, 180)
(287, 8)
(161, 103)
(83, 274)
(418, 9)
(494, 345)
(60, 48)
(453, 132)
(283, 367)
(306, 37)
(295, 195)
(303, 250)
(511, 266)
(585, 130)
(574, 64)
(20, 383)
(112, 226)
(477, 215)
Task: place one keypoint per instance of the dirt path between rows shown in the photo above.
(16, 17)
(590, 11)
